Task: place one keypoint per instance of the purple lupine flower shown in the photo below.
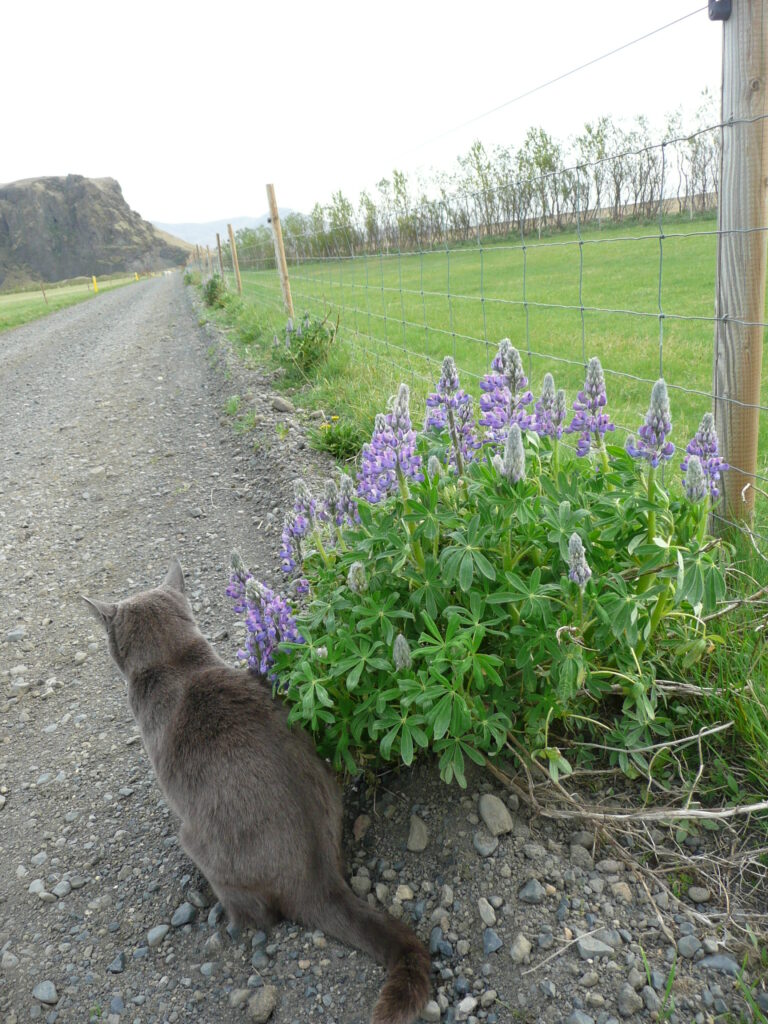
(705, 445)
(504, 400)
(237, 581)
(578, 569)
(290, 546)
(269, 622)
(549, 411)
(392, 450)
(447, 396)
(695, 482)
(653, 445)
(590, 421)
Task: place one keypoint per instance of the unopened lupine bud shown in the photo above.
(514, 455)
(579, 570)
(401, 653)
(433, 467)
(356, 578)
(238, 565)
(695, 482)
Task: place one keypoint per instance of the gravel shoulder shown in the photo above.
(115, 457)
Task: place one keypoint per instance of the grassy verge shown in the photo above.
(18, 308)
(730, 684)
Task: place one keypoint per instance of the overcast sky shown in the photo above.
(194, 107)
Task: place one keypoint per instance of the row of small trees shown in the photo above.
(606, 173)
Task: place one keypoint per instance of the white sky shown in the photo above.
(193, 107)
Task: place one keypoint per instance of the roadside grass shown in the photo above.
(18, 308)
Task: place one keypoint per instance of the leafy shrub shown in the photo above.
(191, 277)
(214, 291)
(468, 587)
(306, 345)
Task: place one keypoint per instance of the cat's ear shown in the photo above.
(174, 578)
(101, 610)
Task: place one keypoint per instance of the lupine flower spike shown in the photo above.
(390, 458)
(544, 422)
(590, 421)
(695, 482)
(237, 581)
(450, 406)
(514, 455)
(356, 578)
(505, 396)
(653, 445)
(578, 569)
(269, 622)
(705, 445)
(401, 653)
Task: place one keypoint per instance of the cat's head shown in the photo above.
(150, 628)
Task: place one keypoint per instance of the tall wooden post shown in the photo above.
(221, 261)
(235, 264)
(210, 261)
(277, 235)
(741, 249)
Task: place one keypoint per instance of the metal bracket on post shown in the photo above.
(719, 10)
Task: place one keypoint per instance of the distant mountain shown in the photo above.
(205, 234)
(52, 229)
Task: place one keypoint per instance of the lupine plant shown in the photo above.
(462, 590)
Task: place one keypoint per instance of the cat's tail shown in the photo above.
(390, 943)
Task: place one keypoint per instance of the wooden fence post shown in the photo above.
(741, 251)
(235, 263)
(221, 261)
(282, 266)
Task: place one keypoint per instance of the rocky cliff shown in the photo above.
(52, 229)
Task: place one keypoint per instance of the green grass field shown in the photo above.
(402, 313)
(18, 308)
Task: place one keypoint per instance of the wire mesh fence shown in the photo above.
(613, 257)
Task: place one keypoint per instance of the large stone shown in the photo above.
(184, 914)
(588, 947)
(519, 949)
(688, 946)
(156, 935)
(629, 1002)
(720, 962)
(45, 992)
(495, 815)
(484, 842)
(262, 1005)
(418, 837)
(532, 892)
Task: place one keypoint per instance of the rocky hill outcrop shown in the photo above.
(52, 229)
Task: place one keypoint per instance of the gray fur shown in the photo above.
(261, 813)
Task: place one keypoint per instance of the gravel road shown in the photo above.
(115, 456)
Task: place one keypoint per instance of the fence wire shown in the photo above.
(543, 260)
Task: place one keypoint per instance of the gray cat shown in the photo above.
(261, 813)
